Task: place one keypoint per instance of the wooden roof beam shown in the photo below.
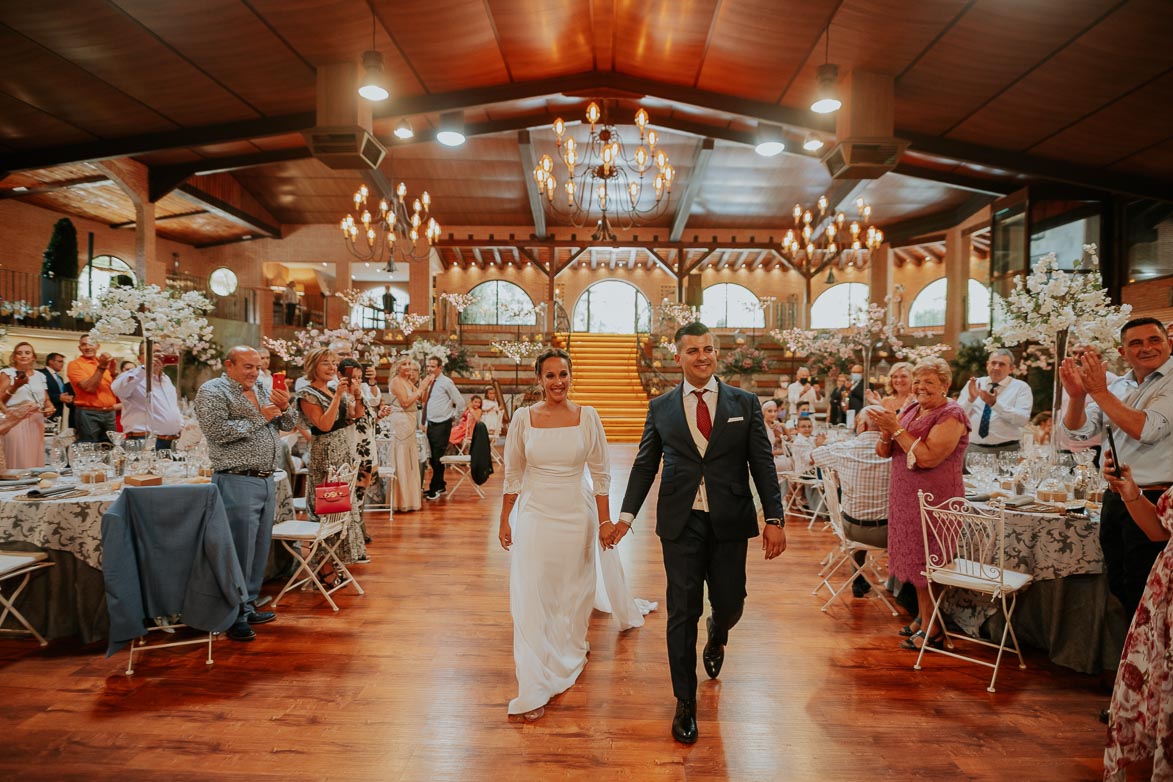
(529, 162)
(50, 187)
(700, 164)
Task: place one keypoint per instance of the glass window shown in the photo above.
(1066, 240)
(612, 307)
(100, 273)
(499, 303)
(373, 317)
(928, 308)
(1150, 240)
(840, 306)
(726, 305)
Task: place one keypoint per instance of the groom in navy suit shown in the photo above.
(712, 438)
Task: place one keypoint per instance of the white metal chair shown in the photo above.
(965, 549)
(845, 553)
(385, 446)
(319, 550)
(461, 464)
(15, 564)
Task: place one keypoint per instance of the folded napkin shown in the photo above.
(51, 492)
(19, 482)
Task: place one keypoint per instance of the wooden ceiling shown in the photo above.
(990, 95)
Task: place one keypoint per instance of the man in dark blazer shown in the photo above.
(60, 392)
(858, 388)
(712, 438)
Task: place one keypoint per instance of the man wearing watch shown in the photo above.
(712, 438)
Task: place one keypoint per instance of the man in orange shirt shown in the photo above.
(93, 401)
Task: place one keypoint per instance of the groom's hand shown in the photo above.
(773, 541)
(606, 534)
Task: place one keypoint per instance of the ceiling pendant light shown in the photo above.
(826, 96)
(373, 86)
(812, 143)
(769, 140)
(451, 132)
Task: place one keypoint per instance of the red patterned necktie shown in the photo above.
(703, 421)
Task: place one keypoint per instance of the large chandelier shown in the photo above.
(376, 233)
(603, 173)
(821, 238)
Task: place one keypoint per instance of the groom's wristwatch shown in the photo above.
(779, 523)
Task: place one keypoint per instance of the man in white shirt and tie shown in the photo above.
(443, 406)
(163, 419)
(998, 406)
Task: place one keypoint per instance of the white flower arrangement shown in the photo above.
(915, 353)
(519, 350)
(174, 321)
(365, 343)
(681, 314)
(1050, 302)
(408, 322)
(421, 350)
(357, 298)
(459, 301)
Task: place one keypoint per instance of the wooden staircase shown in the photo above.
(606, 377)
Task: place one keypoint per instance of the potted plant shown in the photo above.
(59, 261)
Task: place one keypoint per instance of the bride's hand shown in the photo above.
(504, 535)
(606, 534)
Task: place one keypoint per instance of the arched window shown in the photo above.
(928, 308)
(499, 303)
(840, 306)
(101, 272)
(374, 317)
(612, 307)
(726, 305)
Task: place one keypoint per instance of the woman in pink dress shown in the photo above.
(22, 388)
(1140, 719)
(927, 444)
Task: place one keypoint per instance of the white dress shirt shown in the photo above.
(863, 476)
(1149, 456)
(1011, 411)
(444, 400)
(801, 393)
(131, 389)
(701, 502)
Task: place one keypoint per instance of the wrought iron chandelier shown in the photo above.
(392, 229)
(821, 238)
(605, 174)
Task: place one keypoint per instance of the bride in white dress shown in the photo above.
(552, 514)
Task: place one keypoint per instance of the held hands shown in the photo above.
(773, 541)
(504, 534)
(611, 533)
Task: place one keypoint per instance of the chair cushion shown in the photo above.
(11, 561)
(965, 574)
(458, 459)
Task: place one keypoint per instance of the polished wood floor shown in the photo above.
(410, 682)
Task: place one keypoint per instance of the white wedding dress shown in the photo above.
(559, 572)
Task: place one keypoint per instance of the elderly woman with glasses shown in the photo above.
(926, 442)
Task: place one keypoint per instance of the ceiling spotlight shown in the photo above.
(812, 144)
(451, 132)
(372, 87)
(769, 140)
(403, 130)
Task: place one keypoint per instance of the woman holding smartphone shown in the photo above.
(25, 396)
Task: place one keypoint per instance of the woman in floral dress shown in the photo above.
(1140, 719)
(331, 417)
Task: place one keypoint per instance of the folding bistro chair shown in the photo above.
(14, 564)
(845, 553)
(461, 464)
(965, 549)
(318, 549)
(385, 446)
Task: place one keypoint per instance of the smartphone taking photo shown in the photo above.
(1112, 448)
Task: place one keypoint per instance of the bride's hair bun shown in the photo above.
(551, 353)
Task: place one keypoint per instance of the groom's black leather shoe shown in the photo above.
(713, 654)
(684, 723)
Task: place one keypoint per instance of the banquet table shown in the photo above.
(70, 598)
(1067, 611)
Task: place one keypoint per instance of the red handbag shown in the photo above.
(331, 498)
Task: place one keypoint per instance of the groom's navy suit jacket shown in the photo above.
(738, 448)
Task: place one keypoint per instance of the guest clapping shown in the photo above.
(927, 444)
(898, 394)
(23, 391)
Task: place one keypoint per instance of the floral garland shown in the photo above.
(357, 298)
(1050, 302)
(681, 314)
(518, 350)
(22, 310)
(174, 321)
(365, 343)
(408, 322)
(915, 353)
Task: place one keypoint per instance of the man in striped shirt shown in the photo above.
(863, 489)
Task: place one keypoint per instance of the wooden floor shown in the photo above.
(410, 682)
